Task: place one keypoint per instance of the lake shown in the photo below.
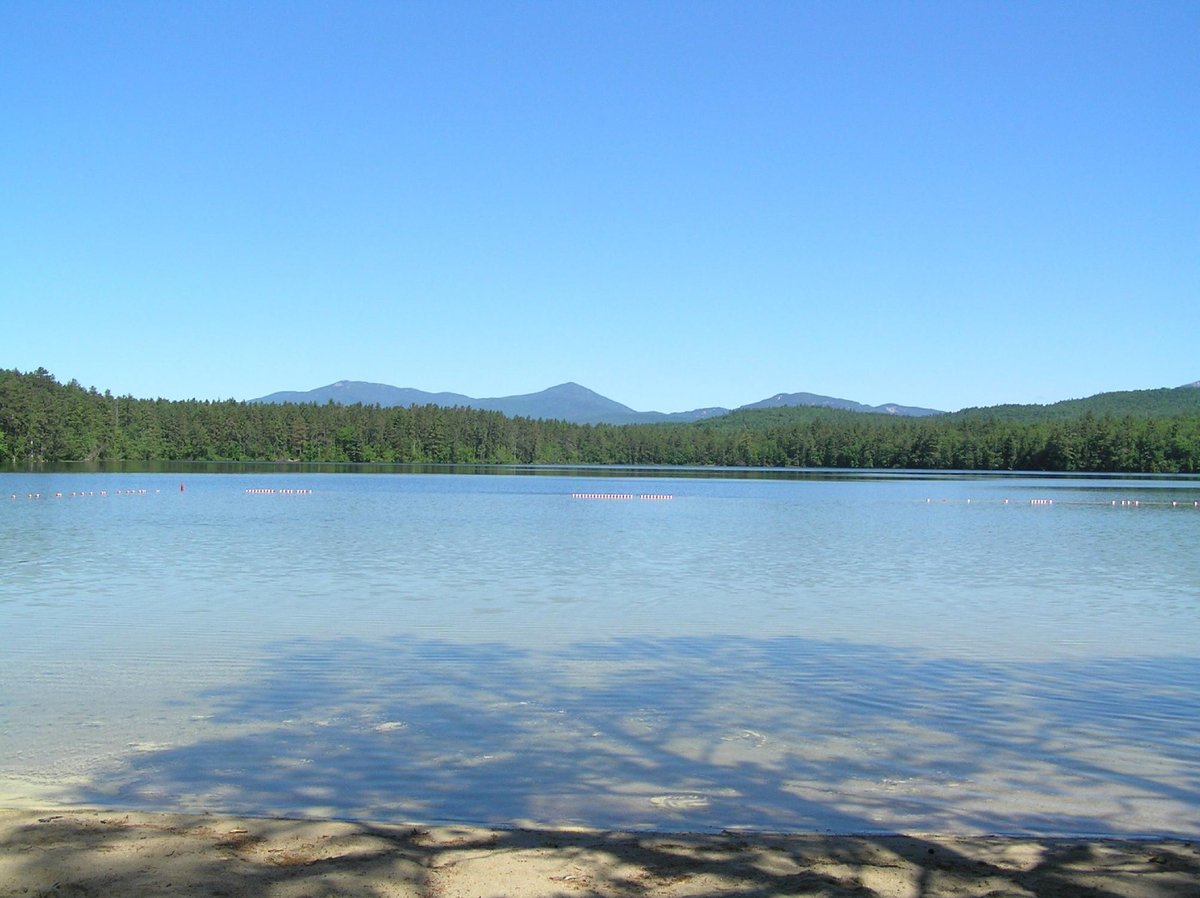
(667, 649)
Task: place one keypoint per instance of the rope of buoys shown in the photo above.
(86, 494)
(104, 494)
(659, 497)
(1113, 503)
(651, 496)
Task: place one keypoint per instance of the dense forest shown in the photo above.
(44, 421)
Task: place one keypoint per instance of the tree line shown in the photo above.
(44, 421)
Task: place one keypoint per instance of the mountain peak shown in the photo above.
(568, 401)
(780, 400)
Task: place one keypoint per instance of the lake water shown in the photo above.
(802, 651)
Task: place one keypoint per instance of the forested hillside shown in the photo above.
(1163, 403)
(42, 420)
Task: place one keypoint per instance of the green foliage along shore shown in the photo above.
(44, 421)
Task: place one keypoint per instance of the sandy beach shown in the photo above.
(114, 853)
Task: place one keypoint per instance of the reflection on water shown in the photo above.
(854, 655)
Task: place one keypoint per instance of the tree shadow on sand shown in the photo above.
(95, 853)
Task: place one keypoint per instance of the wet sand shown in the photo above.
(117, 853)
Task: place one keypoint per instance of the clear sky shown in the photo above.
(675, 204)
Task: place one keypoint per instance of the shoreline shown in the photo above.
(69, 851)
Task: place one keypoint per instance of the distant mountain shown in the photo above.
(579, 405)
(353, 392)
(565, 402)
(781, 400)
(696, 414)
(1163, 403)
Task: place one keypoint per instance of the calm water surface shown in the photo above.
(815, 652)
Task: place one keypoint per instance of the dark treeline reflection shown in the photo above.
(43, 421)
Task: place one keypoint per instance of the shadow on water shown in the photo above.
(689, 735)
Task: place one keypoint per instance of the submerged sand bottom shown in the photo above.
(114, 853)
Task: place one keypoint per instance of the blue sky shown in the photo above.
(675, 204)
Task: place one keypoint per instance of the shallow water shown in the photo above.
(853, 652)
